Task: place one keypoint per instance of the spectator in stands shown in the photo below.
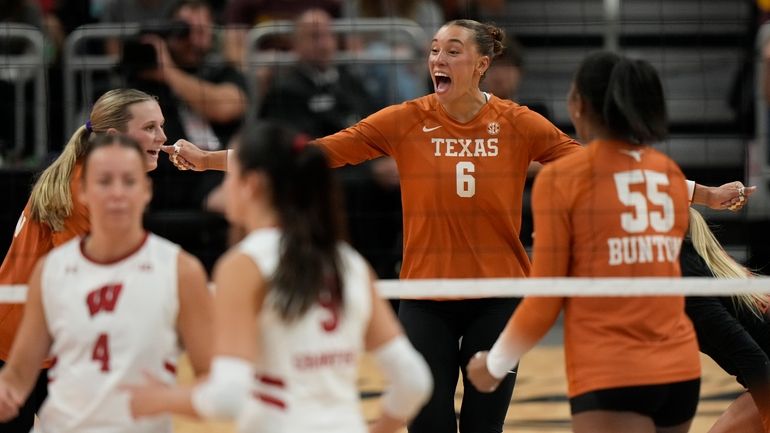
(397, 82)
(504, 77)
(314, 95)
(133, 11)
(241, 15)
(203, 97)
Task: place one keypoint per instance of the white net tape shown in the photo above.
(512, 287)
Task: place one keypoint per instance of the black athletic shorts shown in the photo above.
(668, 404)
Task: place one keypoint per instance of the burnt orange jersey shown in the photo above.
(31, 241)
(461, 183)
(614, 210)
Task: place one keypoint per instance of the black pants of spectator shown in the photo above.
(448, 334)
(26, 419)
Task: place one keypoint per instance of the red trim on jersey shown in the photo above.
(270, 400)
(171, 368)
(116, 260)
(272, 381)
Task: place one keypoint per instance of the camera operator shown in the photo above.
(202, 96)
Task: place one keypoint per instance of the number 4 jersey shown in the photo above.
(110, 322)
(461, 183)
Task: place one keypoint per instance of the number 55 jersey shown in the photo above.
(110, 323)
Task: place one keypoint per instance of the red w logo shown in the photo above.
(104, 298)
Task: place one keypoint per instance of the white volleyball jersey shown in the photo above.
(307, 369)
(110, 322)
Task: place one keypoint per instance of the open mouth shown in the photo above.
(442, 82)
(153, 152)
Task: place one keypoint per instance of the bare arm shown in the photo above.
(217, 102)
(412, 379)
(732, 195)
(187, 156)
(195, 315)
(238, 283)
(32, 343)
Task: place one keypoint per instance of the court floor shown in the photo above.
(539, 404)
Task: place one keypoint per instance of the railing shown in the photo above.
(387, 29)
(19, 69)
(76, 61)
(759, 155)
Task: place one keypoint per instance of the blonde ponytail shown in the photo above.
(720, 263)
(51, 197)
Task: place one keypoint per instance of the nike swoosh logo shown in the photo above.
(426, 129)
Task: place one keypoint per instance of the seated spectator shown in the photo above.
(202, 96)
(315, 96)
(504, 77)
(393, 83)
(241, 15)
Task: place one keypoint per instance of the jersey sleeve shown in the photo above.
(370, 138)
(547, 143)
(550, 212)
(534, 317)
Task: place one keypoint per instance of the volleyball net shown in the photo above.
(471, 288)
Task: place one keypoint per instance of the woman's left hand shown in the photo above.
(732, 196)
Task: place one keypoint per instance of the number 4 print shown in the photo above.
(638, 220)
(101, 352)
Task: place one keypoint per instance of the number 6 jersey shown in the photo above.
(461, 183)
(110, 322)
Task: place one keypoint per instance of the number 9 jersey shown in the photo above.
(110, 323)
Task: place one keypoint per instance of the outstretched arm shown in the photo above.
(187, 156)
(732, 195)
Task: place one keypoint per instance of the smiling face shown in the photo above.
(455, 63)
(146, 127)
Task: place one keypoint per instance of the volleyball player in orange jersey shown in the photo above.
(462, 157)
(618, 209)
(54, 214)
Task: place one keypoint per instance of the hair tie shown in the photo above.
(88, 126)
(299, 143)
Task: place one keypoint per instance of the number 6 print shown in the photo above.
(638, 220)
(466, 184)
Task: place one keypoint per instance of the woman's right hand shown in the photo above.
(187, 156)
(10, 402)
